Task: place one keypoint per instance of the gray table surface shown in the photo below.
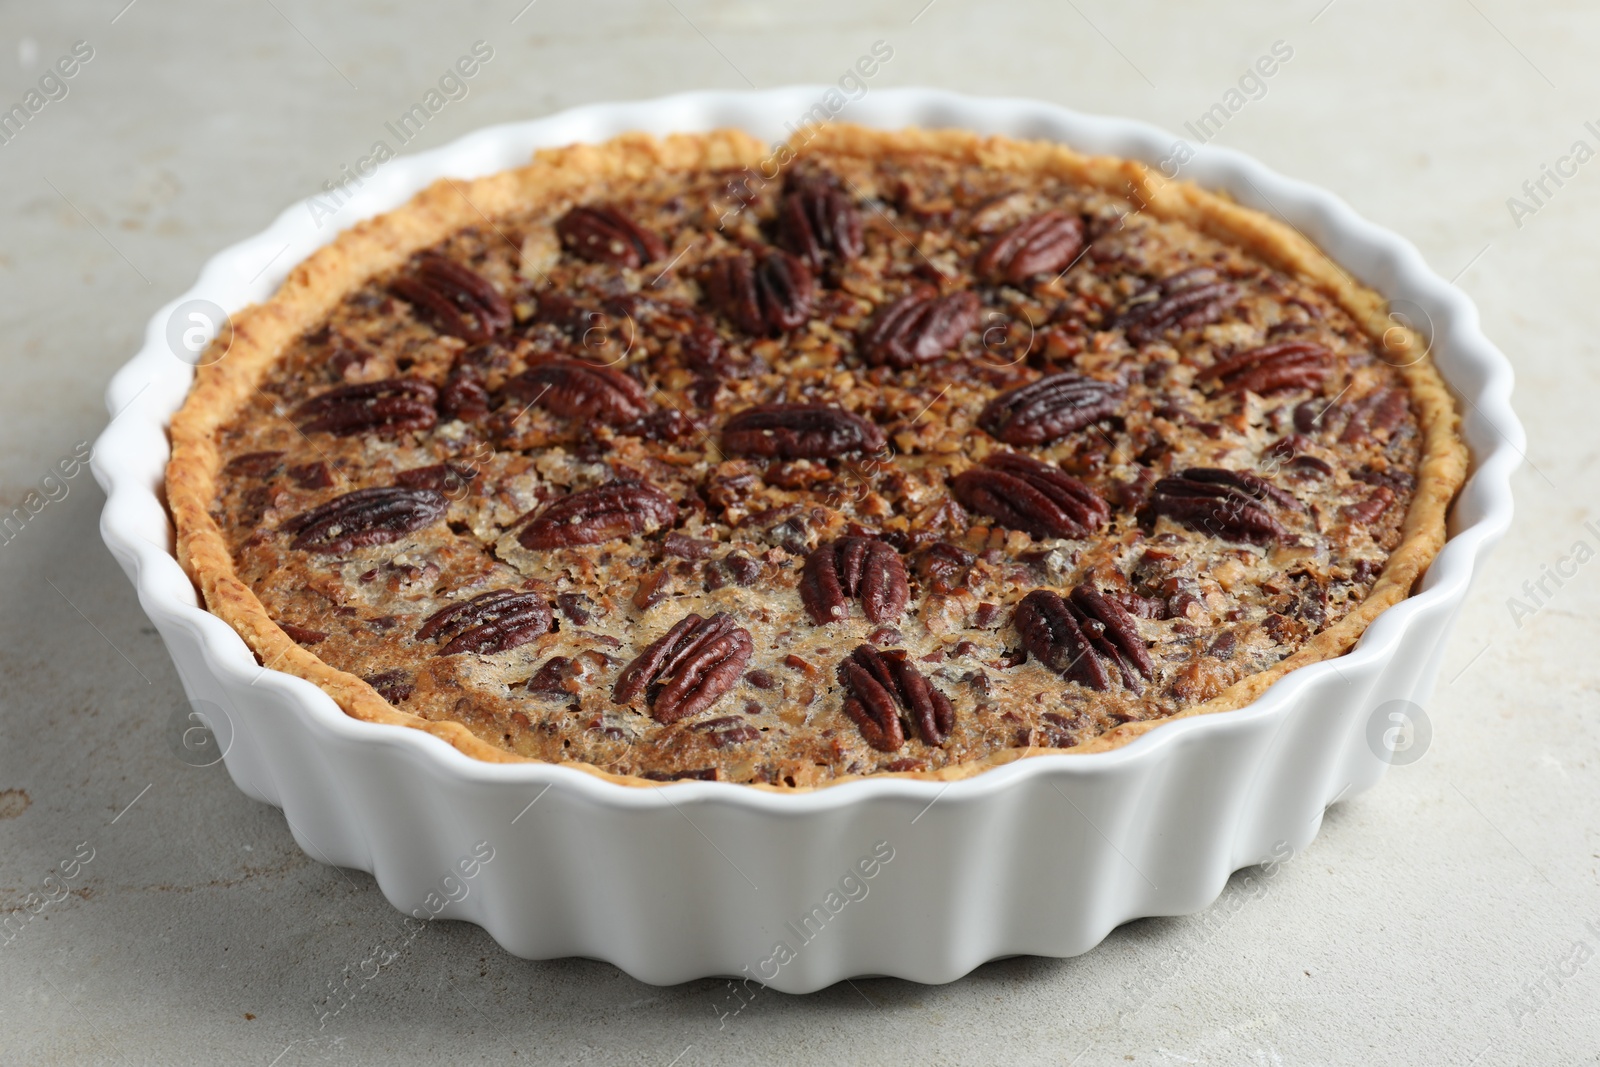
(1449, 916)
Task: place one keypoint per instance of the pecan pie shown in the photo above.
(878, 453)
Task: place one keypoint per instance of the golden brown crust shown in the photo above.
(259, 334)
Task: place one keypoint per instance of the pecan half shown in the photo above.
(854, 568)
(727, 730)
(567, 317)
(688, 668)
(676, 544)
(918, 327)
(302, 635)
(1024, 494)
(816, 219)
(1083, 634)
(763, 297)
(1400, 482)
(1269, 368)
(601, 233)
(446, 478)
(387, 408)
(1044, 244)
(1194, 297)
(373, 516)
(1369, 510)
(395, 685)
(884, 684)
(1049, 409)
(1114, 634)
(496, 621)
(799, 431)
(604, 513)
(1375, 416)
(256, 464)
(456, 299)
(574, 389)
(1232, 505)
(1050, 632)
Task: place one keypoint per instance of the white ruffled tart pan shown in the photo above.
(921, 880)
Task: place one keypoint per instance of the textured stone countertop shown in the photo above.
(1449, 916)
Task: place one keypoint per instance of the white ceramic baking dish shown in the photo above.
(919, 880)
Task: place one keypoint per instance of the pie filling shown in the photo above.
(892, 463)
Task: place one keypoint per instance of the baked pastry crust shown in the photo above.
(259, 335)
